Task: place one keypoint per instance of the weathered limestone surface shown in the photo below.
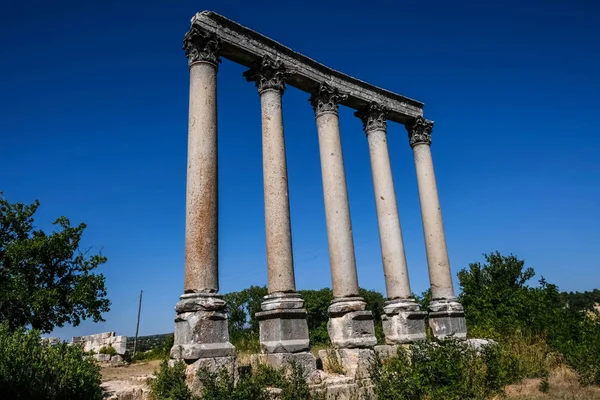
(214, 364)
(246, 47)
(446, 316)
(353, 363)
(350, 325)
(201, 223)
(403, 321)
(283, 361)
(93, 343)
(282, 323)
(201, 328)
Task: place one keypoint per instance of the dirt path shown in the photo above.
(135, 371)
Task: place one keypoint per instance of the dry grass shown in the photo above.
(563, 385)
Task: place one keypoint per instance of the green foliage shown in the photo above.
(161, 352)
(448, 370)
(169, 383)
(243, 325)
(45, 281)
(499, 304)
(108, 350)
(316, 303)
(30, 369)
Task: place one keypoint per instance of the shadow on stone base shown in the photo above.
(403, 322)
(201, 329)
(282, 324)
(447, 319)
(349, 325)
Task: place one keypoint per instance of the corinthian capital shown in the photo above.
(419, 131)
(325, 99)
(373, 117)
(201, 46)
(268, 74)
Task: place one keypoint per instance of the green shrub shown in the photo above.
(448, 370)
(108, 350)
(169, 383)
(32, 370)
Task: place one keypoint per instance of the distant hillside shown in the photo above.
(146, 343)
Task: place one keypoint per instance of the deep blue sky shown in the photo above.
(93, 123)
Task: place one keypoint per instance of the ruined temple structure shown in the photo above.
(201, 334)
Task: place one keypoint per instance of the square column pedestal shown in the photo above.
(350, 325)
(284, 332)
(447, 318)
(403, 321)
(201, 335)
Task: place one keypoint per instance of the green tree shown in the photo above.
(45, 280)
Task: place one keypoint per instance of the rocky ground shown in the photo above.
(128, 382)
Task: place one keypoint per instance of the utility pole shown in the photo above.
(138, 323)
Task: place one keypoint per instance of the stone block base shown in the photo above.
(447, 319)
(284, 360)
(342, 388)
(353, 363)
(214, 365)
(201, 329)
(282, 323)
(349, 325)
(403, 322)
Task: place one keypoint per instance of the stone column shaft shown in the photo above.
(350, 325)
(282, 321)
(277, 207)
(201, 330)
(446, 316)
(337, 210)
(435, 241)
(403, 322)
(201, 223)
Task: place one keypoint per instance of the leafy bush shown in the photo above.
(499, 304)
(108, 350)
(169, 383)
(448, 370)
(30, 369)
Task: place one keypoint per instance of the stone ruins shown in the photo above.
(95, 343)
(201, 333)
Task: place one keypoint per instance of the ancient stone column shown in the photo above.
(350, 325)
(201, 330)
(403, 321)
(446, 314)
(283, 326)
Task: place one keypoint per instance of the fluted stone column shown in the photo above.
(283, 326)
(201, 330)
(350, 324)
(446, 314)
(403, 321)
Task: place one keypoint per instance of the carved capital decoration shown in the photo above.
(373, 117)
(268, 74)
(325, 99)
(419, 131)
(201, 46)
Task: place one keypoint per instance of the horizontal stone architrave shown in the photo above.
(246, 47)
